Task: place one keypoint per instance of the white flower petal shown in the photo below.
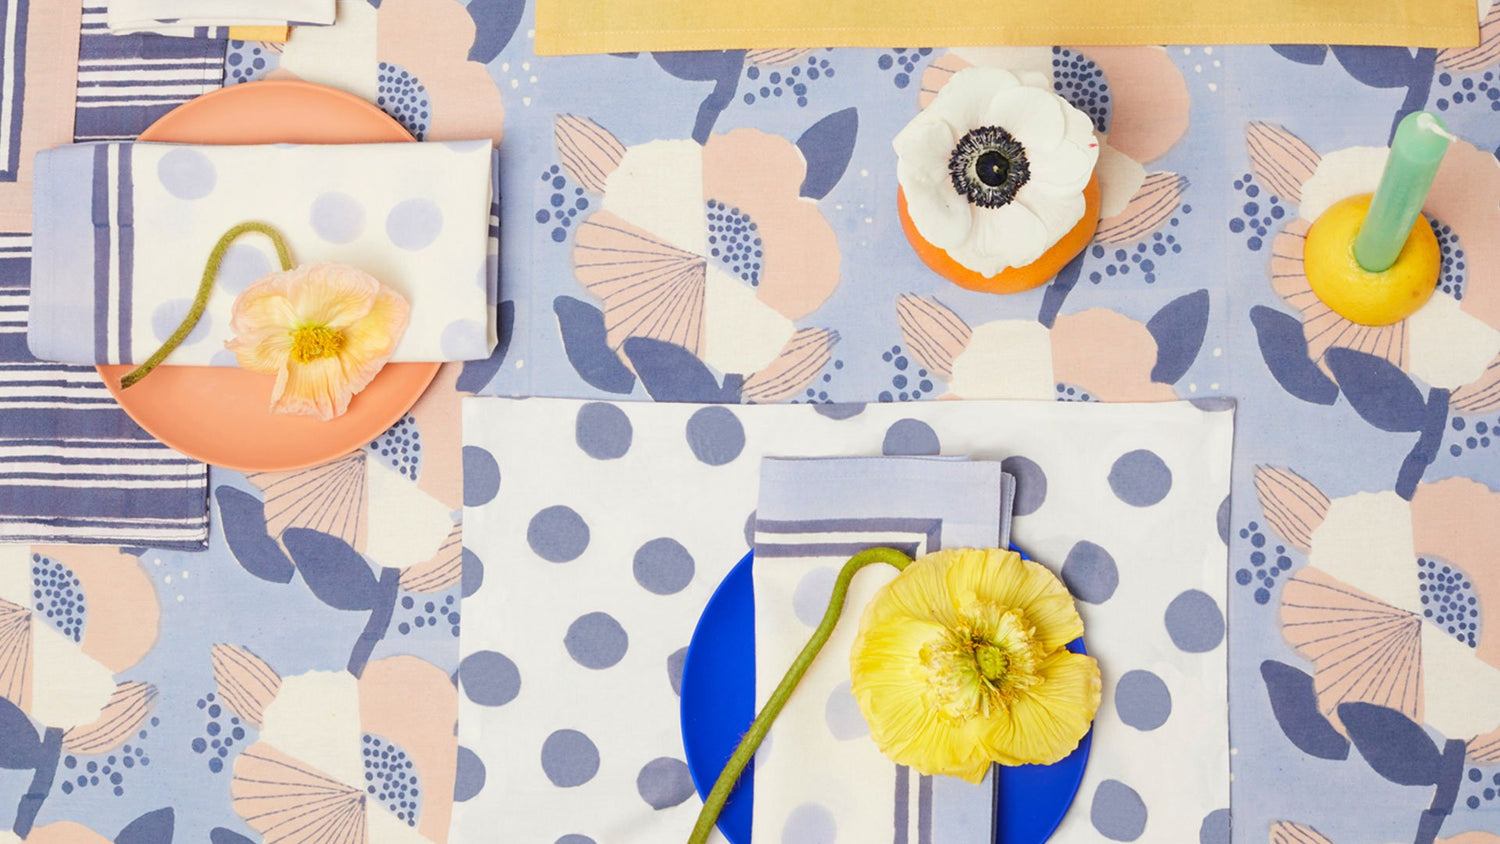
(1449, 348)
(658, 186)
(68, 687)
(1366, 541)
(315, 719)
(740, 332)
(1120, 176)
(1006, 359)
(1034, 117)
(941, 216)
(1459, 689)
(922, 151)
(962, 103)
(1064, 167)
(1008, 236)
(407, 525)
(1058, 209)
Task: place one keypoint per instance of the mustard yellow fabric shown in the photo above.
(270, 34)
(613, 26)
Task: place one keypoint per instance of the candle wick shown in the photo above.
(1429, 123)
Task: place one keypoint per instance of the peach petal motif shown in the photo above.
(65, 832)
(1150, 207)
(1286, 832)
(762, 175)
(1458, 520)
(934, 333)
(588, 151)
(439, 419)
(1150, 99)
(245, 681)
(936, 75)
(127, 708)
(431, 39)
(1293, 506)
(1282, 161)
(330, 497)
(1108, 354)
(1362, 649)
(123, 613)
(1463, 197)
(285, 800)
(413, 703)
(15, 654)
(794, 367)
(649, 288)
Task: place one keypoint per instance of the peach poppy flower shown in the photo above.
(372, 757)
(1391, 605)
(709, 246)
(1096, 354)
(1452, 342)
(62, 651)
(409, 56)
(1138, 100)
(324, 330)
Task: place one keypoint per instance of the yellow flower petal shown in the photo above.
(317, 388)
(1046, 724)
(332, 295)
(959, 663)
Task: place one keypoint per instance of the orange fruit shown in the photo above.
(1011, 279)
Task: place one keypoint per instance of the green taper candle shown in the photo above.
(1417, 150)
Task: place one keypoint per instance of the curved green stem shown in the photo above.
(206, 287)
(719, 795)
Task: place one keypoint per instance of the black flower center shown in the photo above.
(988, 167)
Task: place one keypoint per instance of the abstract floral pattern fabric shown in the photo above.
(1212, 158)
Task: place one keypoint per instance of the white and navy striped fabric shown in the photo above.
(211, 18)
(73, 467)
(125, 82)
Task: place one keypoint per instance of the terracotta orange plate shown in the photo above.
(221, 415)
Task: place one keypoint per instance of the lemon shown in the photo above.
(1355, 293)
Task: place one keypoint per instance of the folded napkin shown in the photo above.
(74, 469)
(616, 521)
(123, 231)
(193, 17)
(813, 515)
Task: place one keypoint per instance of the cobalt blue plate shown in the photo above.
(718, 704)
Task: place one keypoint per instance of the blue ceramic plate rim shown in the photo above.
(718, 703)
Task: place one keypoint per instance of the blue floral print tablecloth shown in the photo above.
(757, 192)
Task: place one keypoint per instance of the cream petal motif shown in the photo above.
(1341, 174)
(799, 363)
(330, 498)
(444, 570)
(742, 334)
(67, 686)
(649, 287)
(407, 525)
(291, 802)
(1120, 177)
(1293, 506)
(1365, 540)
(245, 682)
(1449, 348)
(128, 707)
(1362, 649)
(1006, 359)
(385, 828)
(1482, 395)
(658, 186)
(1281, 160)
(314, 719)
(933, 332)
(1461, 691)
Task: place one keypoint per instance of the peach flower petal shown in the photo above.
(1463, 197)
(123, 610)
(1458, 520)
(65, 832)
(465, 100)
(413, 703)
(762, 175)
(440, 423)
(1109, 355)
(1150, 99)
(318, 388)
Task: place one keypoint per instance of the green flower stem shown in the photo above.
(205, 287)
(714, 804)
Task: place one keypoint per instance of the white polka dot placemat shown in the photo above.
(605, 528)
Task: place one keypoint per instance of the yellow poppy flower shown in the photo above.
(324, 330)
(960, 662)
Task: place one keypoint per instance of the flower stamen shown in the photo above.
(314, 342)
(988, 167)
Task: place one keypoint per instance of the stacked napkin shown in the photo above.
(199, 17)
(123, 231)
(813, 515)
